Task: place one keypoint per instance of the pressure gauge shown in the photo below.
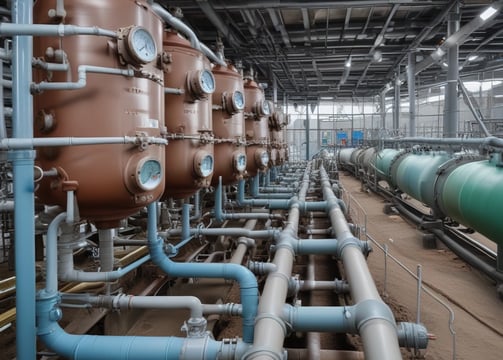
(201, 83)
(141, 45)
(262, 108)
(203, 163)
(261, 158)
(240, 162)
(149, 174)
(234, 103)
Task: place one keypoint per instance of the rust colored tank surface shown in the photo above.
(110, 181)
(257, 111)
(228, 125)
(190, 153)
(277, 125)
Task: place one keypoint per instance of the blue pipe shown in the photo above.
(278, 204)
(24, 203)
(255, 193)
(220, 215)
(247, 281)
(91, 347)
(335, 319)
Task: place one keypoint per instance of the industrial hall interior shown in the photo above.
(251, 180)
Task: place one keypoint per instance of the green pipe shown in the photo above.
(382, 163)
(473, 196)
(415, 175)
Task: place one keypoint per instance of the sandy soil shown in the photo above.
(478, 313)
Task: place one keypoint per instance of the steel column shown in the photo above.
(451, 111)
(411, 86)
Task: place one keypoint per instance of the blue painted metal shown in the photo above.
(23, 162)
(247, 281)
(256, 194)
(336, 319)
(91, 347)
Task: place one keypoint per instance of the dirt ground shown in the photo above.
(478, 312)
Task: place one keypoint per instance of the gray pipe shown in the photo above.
(451, 116)
(106, 238)
(8, 29)
(82, 81)
(464, 142)
(177, 24)
(379, 333)
(411, 86)
(270, 330)
(27, 143)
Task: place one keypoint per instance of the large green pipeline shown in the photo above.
(473, 195)
(415, 174)
(469, 193)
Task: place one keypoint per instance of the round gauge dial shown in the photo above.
(266, 109)
(264, 158)
(207, 81)
(203, 164)
(240, 162)
(238, 100)
(141, 45)
(149, 174)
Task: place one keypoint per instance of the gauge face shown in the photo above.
(203, 163)
(264, 158)
(141, 45)
(207, 81)
(240, 162)
(266, 109)
(149, 174)
(238, 100)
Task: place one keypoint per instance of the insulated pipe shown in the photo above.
(463, 142)
(378, 331)
(23, 164)
(245, 278)
(255, 192)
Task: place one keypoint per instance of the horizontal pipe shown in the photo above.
(255, 234)
(487, 141)
(7, 29)
(17, 143)
(82, 81)
(90, 347)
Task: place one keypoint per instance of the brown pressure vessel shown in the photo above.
(228, 125)
(257, 111)
(110, 181)
(276, 143)
(190, 153)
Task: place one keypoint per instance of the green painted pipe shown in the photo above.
(416, 175)
(382, 163)
(473, 196)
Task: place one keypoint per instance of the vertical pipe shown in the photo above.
(3, 128)
(24, 204)
(451, 114)
(106, 237)
(382, 98)
(352, 122)
(411, 86)
(396, 112)
(307, 129)
(186, 221)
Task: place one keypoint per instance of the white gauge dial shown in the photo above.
(149, 174)
(207, 81)
(141, 45)
(238, 100)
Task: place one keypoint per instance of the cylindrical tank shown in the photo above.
(190, 153)
(276, 125)
(416, 174)
(228, 125)
(110, 181)
(257, 110)
(473, 196)
(383, 161)
(344, 156)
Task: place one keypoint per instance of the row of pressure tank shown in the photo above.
(146, 82)
(465, 187)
